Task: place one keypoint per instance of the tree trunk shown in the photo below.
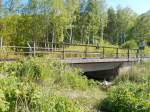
(0, 3)
(102, 32)
(81, 33)
(53, 38)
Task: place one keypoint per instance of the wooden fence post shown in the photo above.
(85, 52)
(34, 50)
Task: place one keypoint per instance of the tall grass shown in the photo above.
(40, 84)
(137, 73)
(130, 92)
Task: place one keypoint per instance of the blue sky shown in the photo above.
(139, 6)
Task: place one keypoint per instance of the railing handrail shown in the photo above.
(62, 48)
(47, 48)
(84, 45)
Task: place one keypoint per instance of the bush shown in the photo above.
(19, 82)
(3, 103)
(127, 97)
(23, 68)
(16, 96)
(20, 96)
(27, 84)
(130, 44)
(54, 72)
(58, 104)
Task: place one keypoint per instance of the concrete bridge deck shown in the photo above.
(96, 60)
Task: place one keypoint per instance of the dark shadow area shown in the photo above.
(103, 75)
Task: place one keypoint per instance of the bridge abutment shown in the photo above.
(102, 70)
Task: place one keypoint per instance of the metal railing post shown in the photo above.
(85, 52)
(14, 48)
(128, 54)
(137, 53)
(103, 52)
(117, 53)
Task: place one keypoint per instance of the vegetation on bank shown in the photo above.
(42, 85)
(131, 91)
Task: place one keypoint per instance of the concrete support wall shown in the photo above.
(90, 67)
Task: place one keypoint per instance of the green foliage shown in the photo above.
(93, 21)
(28, 69)
(78, 21)
(19, 96)
(59, 104)
(127, 97)
(3, 102)
(142, 27)
(52, 20)
(130, 92)
(130, 44)
(30, 85)
(125, 22)
(120, 25)
(57, 72)
(111, 27)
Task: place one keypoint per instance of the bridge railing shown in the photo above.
(65, 50)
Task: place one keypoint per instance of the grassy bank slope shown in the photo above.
(131, 91)
(41, 85)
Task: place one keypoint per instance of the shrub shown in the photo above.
(53, 72)
(18, 96)
(21, 96)
(58, 104)
(130, 44)
(127, 97)
(3, 103)
(26, 85)
(23, 68)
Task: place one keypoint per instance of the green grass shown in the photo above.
(130, 91)
(137, 73)
(39, 84)
(147, 51)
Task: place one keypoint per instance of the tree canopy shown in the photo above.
(73, 21)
